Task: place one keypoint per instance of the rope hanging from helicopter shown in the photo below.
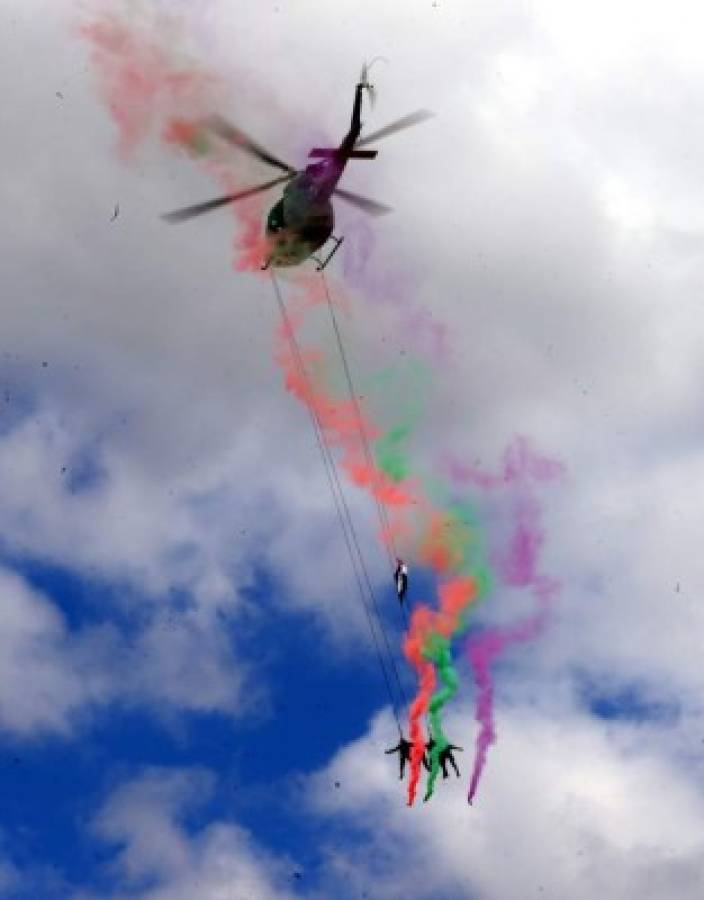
(386, 530)
(365, 588)
(297, 226)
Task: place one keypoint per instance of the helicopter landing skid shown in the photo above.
(322, 264)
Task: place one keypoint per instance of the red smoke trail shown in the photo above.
(140, 82)
(149, 91)
(431, 631)
(443, 541)
(340, 425)
(338, 419)
(413, 646)
(443, 547)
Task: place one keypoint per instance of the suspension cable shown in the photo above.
(381, 507)
(346, 522)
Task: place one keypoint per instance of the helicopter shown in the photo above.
(302, 221)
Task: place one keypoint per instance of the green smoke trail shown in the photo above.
(463, 542)
(410, 382)
(438, 650)
(390, 456)
(405, 389)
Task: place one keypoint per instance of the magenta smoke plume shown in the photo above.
(516, 567)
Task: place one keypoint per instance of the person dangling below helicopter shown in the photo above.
(403, 748)
(401, 579)
(444, 757)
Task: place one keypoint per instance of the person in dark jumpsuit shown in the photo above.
(403, 748)
(445, 757)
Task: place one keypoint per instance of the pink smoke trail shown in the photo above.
(482, 651)
(520, 463)
(517, 567)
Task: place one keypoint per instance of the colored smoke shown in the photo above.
(516, 567)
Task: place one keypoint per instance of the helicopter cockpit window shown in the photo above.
(276, 221)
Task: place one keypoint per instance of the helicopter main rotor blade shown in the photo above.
(414, 118)
(189, 212)
(363, 203)
(238, 138)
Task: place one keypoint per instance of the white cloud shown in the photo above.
(53, 678)
(145, 818)
(569, 806)
(40, 687)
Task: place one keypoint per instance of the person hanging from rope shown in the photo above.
(403, 748)
(445, 756)
(401, 579)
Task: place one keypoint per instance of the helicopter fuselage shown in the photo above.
(303, 219)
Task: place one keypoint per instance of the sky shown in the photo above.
(190, 701)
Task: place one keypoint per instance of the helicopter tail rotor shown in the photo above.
(369, 88)
(364, 79)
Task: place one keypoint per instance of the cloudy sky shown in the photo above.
(190, 705)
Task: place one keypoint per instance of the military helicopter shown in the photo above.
(303, 219)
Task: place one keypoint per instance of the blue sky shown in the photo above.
(190, 705)
(314, 704)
